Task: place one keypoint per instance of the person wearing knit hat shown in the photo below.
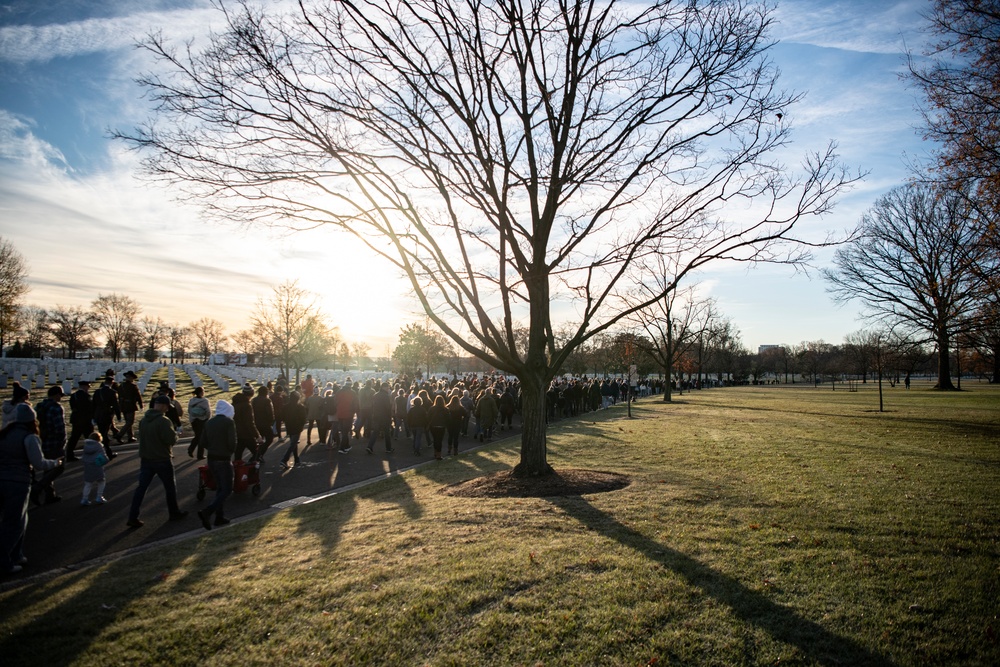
(219, 438)
(20, 453)
(19, 395)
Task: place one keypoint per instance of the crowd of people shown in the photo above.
(433, 414)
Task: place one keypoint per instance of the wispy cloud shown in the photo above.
(851, 25)
(32, 44)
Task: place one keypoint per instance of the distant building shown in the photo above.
(764, 348)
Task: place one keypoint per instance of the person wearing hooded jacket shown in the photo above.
(20, 451)
(219, 439)
(157, 438)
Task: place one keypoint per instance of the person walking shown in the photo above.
(486, 414)
(380, 418)
(130, 400)
(157, 438)
(106, 411)
(347, 406)
(263, 417)
(199, 412)
(219, 438)
(81, 417)
(437, 424)
(20, 452)
(247, 435)
(52, 430)
(295, 421)
(456, 417)
(94, 461)
(416, 421)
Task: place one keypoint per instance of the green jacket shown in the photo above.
(157, 437)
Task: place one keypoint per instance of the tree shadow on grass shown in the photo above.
(812, 640)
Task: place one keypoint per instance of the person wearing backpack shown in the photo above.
(199, 412)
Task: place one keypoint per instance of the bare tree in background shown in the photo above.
(511, 159)
(179, 340)
(671, 323)
(115, 316)
(154, 333)
(917, 260)
(209, 336)
(13, 287)
(291, 320)
(73, 327)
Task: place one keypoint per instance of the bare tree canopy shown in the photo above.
(511, 158)
(917, 260)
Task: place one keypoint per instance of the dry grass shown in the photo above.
(761, 526)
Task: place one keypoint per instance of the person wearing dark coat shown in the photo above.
(20, 452)
(52, 429)
(416, 421)
(247, 435)
(130, 400)
(106, 411)
(295, 421)
(219, 439)
(263, 417)
(380, 418)
(437, 424)
(456, 417)
(81, 417)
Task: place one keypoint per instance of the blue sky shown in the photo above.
(70, 201)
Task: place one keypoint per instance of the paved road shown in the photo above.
(66, 534)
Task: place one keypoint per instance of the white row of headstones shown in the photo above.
(36, 374)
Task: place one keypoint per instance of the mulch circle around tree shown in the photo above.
(568, 482)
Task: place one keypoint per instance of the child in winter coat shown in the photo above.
(94, 460)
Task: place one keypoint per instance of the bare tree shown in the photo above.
(672, 323)
(360, 351)
(115, 316)
(13, 287)
(255, 343)
(35, 329)
(179, 340)
(73, 328)
(917, 260)
(295, 327)
(504, 156)
(209, 337)
(154, 333)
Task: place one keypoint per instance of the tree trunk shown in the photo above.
(996, 365)
(944, 363)
(534, 377)
(534, 450)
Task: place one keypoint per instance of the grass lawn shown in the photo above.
(762, 526)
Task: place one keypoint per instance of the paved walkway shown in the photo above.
(66, 536)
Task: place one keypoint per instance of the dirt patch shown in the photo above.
(570, 482)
